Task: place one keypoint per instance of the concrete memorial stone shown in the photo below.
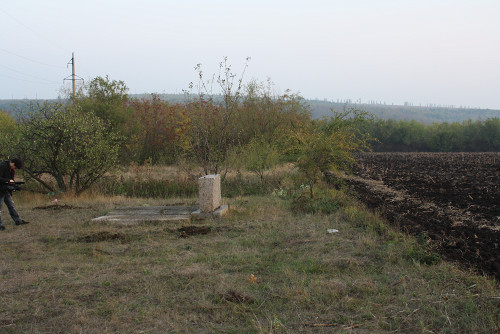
(210, 198)
(209, 193)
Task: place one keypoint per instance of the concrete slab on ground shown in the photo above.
(141, 214)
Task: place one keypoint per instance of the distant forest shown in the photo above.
(321, 108)
(407, 112)
(412, 136)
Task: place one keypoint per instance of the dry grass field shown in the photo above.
(260, 270)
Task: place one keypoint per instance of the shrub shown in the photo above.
(71, 146)
(327, 145)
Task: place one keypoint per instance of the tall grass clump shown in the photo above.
(250, 185)
(327, 200)
(149, 188)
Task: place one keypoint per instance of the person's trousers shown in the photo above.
(7, 198)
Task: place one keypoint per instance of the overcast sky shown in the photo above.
(424, 51)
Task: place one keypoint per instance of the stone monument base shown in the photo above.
(198, 215)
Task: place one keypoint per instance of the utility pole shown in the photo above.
(73, 76)
(73, 73)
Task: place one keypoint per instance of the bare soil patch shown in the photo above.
(188, 231)
(102, 236)
(56, 207)
(234, 296)
(452, 200)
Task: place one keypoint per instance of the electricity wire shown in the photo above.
(32, 60)
(26, 74)
(32, 30)
(43, 81)
(30, 81)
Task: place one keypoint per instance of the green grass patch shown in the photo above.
(263, 269)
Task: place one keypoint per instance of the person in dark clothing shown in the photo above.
(7, 173)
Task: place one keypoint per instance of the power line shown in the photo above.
(32, 60)
(28, 28)
(26, 74)
(30, 81)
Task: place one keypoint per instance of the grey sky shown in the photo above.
(426, 51)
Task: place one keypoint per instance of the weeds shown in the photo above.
(421, 255)
(239, 186)
(155, 185)
(147, 188)
(326, 200)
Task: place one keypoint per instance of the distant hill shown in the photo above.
(429, 114)
(10, 105)
(320, 108)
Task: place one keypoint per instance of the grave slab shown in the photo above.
(142, 214)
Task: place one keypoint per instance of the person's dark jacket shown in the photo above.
(6, 174)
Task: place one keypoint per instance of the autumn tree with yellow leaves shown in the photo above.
(327, 145)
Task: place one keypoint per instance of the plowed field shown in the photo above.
(451, 199)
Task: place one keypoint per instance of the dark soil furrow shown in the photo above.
(453, 199)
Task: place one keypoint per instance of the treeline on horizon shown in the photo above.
(322, 108)
(426, 114)
(413, 136)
